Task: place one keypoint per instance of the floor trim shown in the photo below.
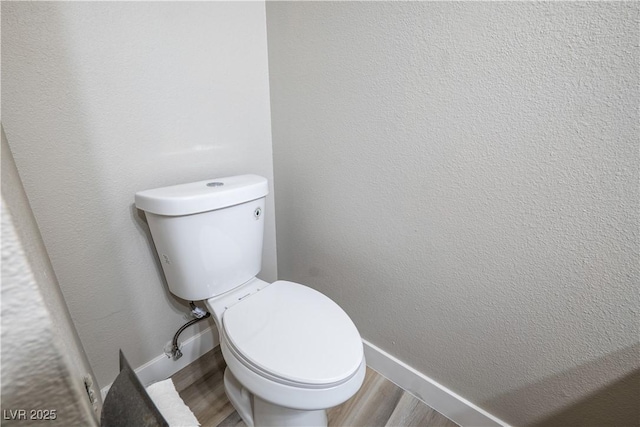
(424, 388)
(161, 367)
(437, 396)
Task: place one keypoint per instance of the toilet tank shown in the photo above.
(208, 234)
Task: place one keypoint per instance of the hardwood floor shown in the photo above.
(378, 403)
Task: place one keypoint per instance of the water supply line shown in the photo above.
(199, 315)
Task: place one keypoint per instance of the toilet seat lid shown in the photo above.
(295, 333)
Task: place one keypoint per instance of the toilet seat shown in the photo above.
(289, 396)
(293, 335)
(257, 336)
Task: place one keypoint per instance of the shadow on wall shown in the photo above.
(103, 285)
(616, 402)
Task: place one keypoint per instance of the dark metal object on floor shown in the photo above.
(127, 403)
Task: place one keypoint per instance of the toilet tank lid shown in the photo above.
(202, 196)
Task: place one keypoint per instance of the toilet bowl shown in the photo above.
(291, 349)
(291, 352)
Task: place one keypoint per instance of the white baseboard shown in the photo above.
(435, 395)
(424, 388)
(161, 367)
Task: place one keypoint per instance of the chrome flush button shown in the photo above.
(257, 213)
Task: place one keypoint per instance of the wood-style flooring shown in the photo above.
(378, 403)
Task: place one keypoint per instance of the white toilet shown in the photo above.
(291, 352)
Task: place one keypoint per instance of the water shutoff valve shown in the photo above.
(198, 313)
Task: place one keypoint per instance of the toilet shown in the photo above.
(291, 352)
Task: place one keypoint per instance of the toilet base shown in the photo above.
(260, 413)
(268, 414)
(240, 397)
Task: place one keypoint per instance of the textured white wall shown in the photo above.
(103, 99)
(463, 179)
(43, 364)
